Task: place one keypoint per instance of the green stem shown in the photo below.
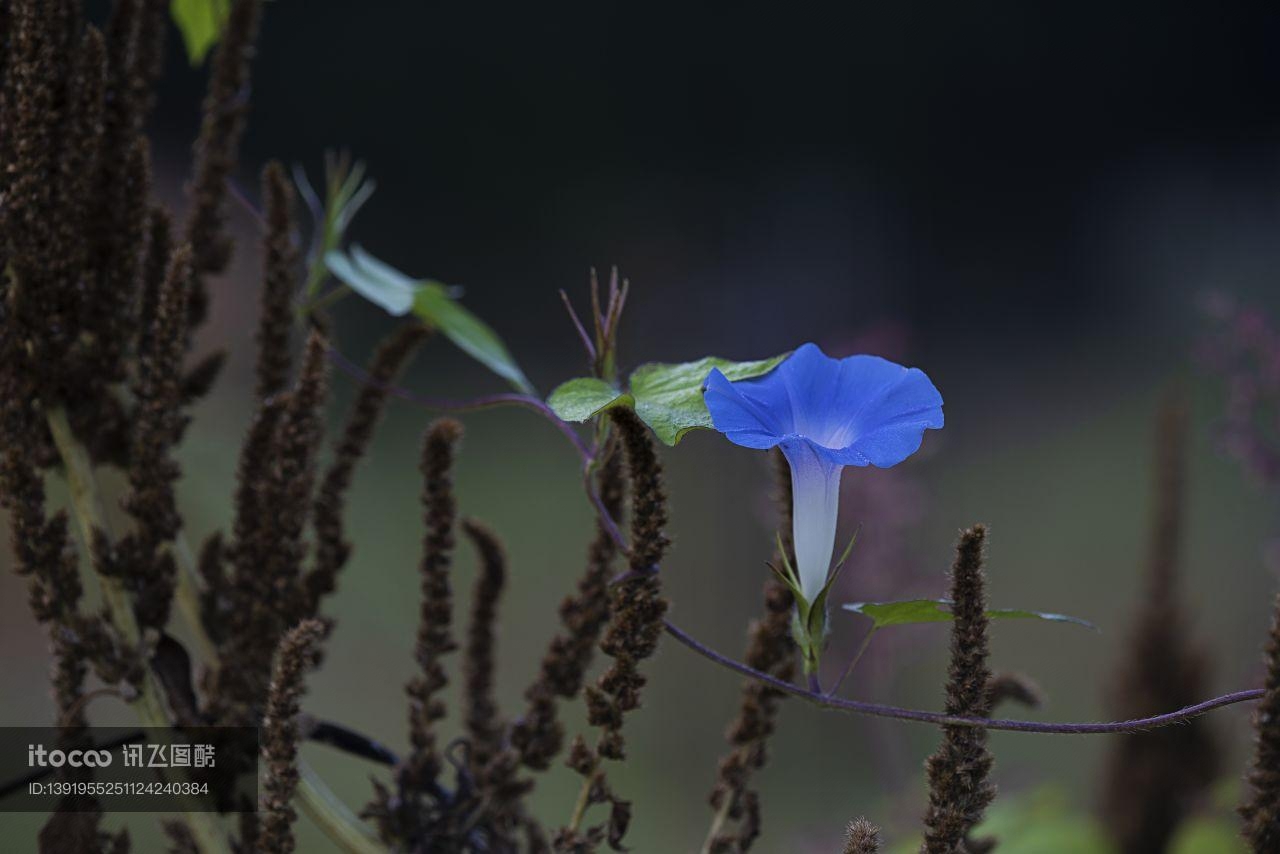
(584, 798)
(332, 816)
(92, 518)
(323, 302)
(717, 823)
(89, 512)
(187, 595)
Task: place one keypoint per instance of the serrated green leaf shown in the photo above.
(471, 334)
(669, 397)
(910, 611)
(584, 397)
(379, 283)
(200, 22)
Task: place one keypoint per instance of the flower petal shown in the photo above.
(745, 412)
(890, 425)
(810, 377)
(815, 496)
(862, 410)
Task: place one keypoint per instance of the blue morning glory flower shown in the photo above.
(825, 414)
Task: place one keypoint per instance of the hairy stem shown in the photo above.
(87, 505)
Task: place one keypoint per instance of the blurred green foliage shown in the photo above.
(200, 22)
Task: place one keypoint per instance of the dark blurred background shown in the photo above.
(1026, 200)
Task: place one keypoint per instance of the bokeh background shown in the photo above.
(1027, 201)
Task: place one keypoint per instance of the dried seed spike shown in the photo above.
(273, 499)
(1154, 779)
(637, 607)
(39, 217)
(1261, 812)
(215, 150)
(862, 837)
(959, 791)
(648, 495)
(1014, 687)
(294, 473)
(152, 470)
(484, 732)
(181, 839)
(110, 305)
(770, 650)
(200, 379)
(332, 549)
(294, 657)
(435, 637)
(136, 32)
(148, 56)
(280, 267)
(538, 735)
(83, 140)
(41, 545)
(155, 264)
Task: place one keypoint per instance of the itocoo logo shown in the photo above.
(38, 756)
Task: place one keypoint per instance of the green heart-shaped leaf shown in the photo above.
(584, 397)
(668, 397)
(398, 294)
(379, 283)
(472, 335)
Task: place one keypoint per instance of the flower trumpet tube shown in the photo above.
(824, 414)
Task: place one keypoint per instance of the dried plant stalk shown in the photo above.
(1155, 779)
(770, 650)
(295, 656)
(635, 625)
(959, 791)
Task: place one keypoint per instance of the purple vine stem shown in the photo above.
(453, 405)
(586, 453)
(816, 697)
(882, 711)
